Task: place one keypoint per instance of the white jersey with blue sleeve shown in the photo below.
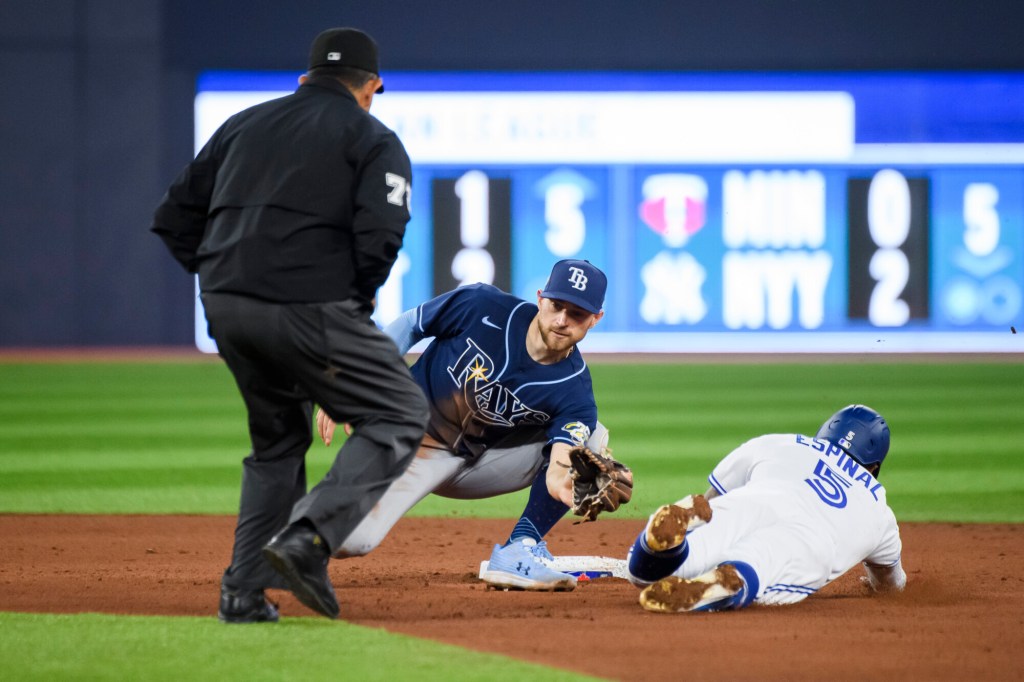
(800, 511)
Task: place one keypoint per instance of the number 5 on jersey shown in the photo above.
(828, 485)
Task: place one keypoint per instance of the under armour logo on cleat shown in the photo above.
(525, 570)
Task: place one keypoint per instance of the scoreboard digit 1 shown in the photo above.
(472, 231)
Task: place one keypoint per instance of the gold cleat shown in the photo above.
(666, 529)
(677, 595)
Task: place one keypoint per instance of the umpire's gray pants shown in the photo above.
(284, 358)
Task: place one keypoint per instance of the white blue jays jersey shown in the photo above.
(482, 384)
(800, 511)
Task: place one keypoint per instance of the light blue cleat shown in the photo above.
(540, 550)
(521, 566)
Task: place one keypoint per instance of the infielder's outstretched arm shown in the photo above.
(403, 331)
(558, 478)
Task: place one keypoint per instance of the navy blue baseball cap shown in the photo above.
(578, 282)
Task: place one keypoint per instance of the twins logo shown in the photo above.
(489, 401)
(674, 206)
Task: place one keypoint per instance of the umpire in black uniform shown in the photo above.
(293, 214)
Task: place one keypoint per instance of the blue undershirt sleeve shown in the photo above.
(403, 331)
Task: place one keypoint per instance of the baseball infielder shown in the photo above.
(785, 515)
(505, 384)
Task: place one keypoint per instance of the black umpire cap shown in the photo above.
(345, 47)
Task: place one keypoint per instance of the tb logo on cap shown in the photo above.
(577, 279)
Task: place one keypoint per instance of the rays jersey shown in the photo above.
(799, 510)
(482, 384)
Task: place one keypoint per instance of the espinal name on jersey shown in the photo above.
(835, 473)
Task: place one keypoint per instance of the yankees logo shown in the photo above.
(489, 401)
(578, 279)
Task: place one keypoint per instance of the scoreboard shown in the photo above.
(731, 212)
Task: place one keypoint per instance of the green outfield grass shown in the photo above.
(99, 647)
(168, 437)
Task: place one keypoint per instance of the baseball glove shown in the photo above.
(599, 482)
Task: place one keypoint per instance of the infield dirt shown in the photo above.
(961, 617)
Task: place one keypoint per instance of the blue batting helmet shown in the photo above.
(860, 431)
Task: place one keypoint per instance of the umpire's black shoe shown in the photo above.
(245, 606)
(300, 555)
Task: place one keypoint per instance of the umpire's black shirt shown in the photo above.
(301, 199)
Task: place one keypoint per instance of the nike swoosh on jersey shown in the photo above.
(488, 322)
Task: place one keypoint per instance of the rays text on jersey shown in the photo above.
(490, 401)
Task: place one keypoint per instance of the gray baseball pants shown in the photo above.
(285, 358)
(498, 471)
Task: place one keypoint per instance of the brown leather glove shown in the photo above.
(599, 482)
